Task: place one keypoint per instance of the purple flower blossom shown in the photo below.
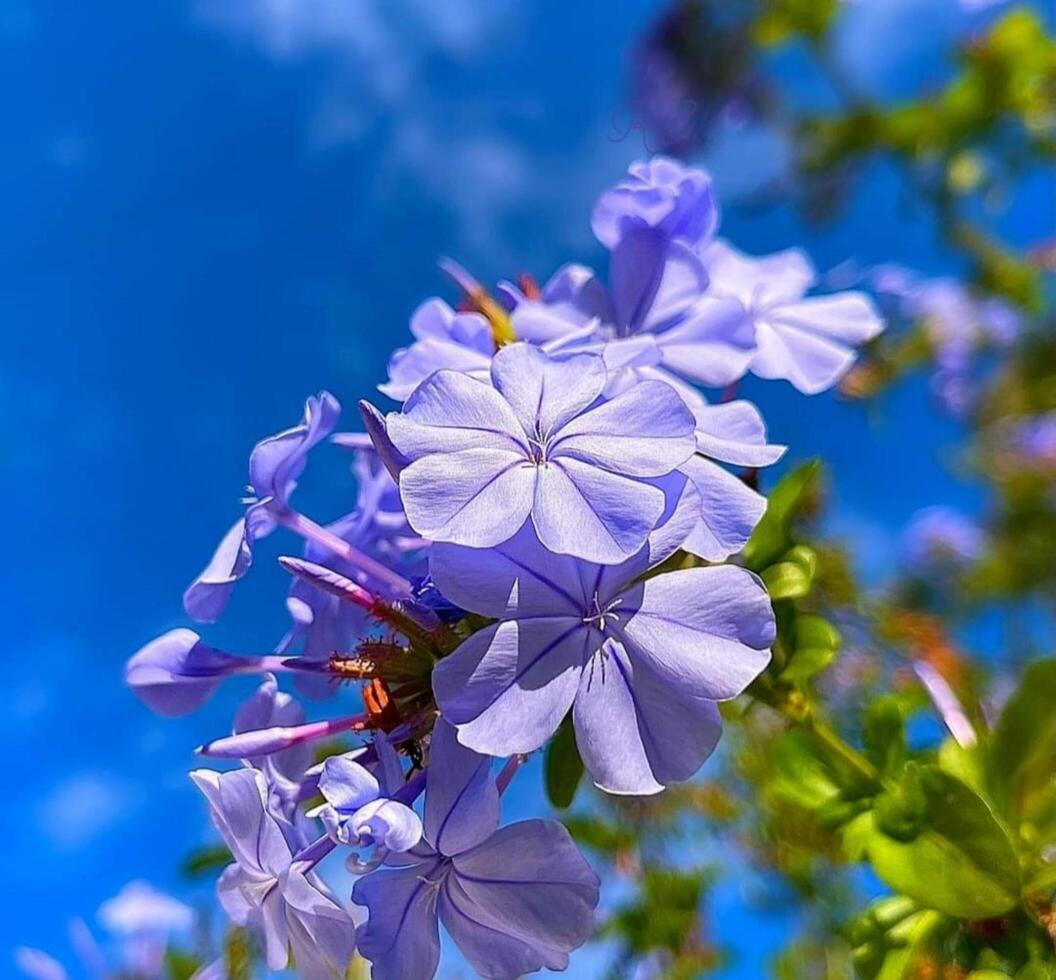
(357, 813)
(732, 433)
(808, 341)
(444, 340)
(377, 528)
(641, 663)
(144, 920)
(269, 708)
(274, 467)
(268, 890)
(139, 909)
(1034, 439)
(141, 919)
(662, 194)
(573, 298)
(177, 673)
(515, 900)
(667, 318)
(39, 965)
(941, 536)
(958, 323)
(539, 443)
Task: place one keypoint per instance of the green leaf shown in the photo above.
(563, 768)
(792, 577)
(887, 948)
(180, 965)
(814, 643)
(1023, 750)
(771, 536)
(957, 858)
(205, 861)
(966, 764)
(885, 737)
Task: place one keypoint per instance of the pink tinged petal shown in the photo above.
(268, 706)
(517, 577)
(729, 511)
(461, 798)
(477, 497)
(401, 937)
(758, 282)
(321, 932)
(705, 631)
(545, 393)
(490, 950)
(529, 881)
(591, 513)
(508, 686)
(735, 433)
(645, 431)
(450, 412)
(636, 731)
(712, 344)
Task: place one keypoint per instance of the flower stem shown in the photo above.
(310, 531)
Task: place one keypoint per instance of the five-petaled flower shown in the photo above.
(640, 661)
(539, 442)
(515, 899)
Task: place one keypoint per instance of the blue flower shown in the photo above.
(275, 465)
(809, 341)
(267, 890)
(539, 443)
(640, 662)
(515, 900)
(663, 194)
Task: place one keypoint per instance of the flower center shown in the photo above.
(599, 615)
(537, 445)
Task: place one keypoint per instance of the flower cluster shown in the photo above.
(140, 922)
(957, 325)
(540, 531)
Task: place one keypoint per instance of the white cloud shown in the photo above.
(375, 49)
(83, 806)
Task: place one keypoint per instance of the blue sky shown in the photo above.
(211, 209)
